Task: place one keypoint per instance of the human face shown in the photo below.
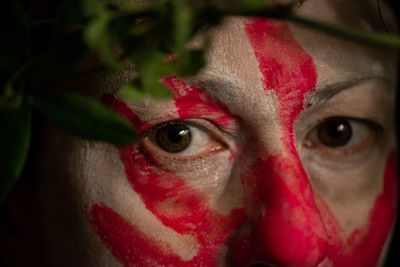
(280, 152)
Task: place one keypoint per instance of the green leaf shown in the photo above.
(97, 36)
(14, 144)
(152, 66)
(158, 90)
(93, 7)
(55, 62)
(10, 99)
(182, 24)
(255, 4)
(190, 63)
(15, 42)
(85, 117)
(131, 93)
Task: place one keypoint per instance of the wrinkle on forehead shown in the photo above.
(230, 55)
(337, 57)
(327, 90)
(232, 77)
(338, 60)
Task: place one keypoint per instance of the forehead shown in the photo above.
(233, 76)
(232, 60)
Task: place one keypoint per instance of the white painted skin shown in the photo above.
(73, 174)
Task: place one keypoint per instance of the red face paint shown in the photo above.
(285, 227)
(193, 102)
(123, 109)
(291, 231)
(188, 211)
(364, 245)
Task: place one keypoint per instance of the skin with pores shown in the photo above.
(256, 184)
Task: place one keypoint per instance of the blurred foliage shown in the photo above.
(152, 38)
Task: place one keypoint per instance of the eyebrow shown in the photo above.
(325, 92)
(224, 89)
(218, 88)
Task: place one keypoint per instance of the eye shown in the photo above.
(341, 132)
(335, 132)
(174, 138)
(182, 138)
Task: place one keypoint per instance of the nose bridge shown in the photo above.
(286, 228)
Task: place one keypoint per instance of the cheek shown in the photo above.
(174, 202)
(363, 247)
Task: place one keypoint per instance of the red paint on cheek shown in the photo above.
(364, 245)
(174, 202)
(128, 244)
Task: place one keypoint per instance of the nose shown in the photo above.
(286, 228)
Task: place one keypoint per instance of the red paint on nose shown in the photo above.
(288, 231)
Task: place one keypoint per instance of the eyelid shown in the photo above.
(201, 124)
(307, 122)
(374, 127)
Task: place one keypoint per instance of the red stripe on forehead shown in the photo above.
(286, 68)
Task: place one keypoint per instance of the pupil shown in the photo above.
(335, 132)
(176, 135)
(174, 138)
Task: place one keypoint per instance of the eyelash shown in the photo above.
(215, 144)
(374, 131)
(198, 131)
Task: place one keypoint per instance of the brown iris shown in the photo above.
(174, 138)
(335, 132)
